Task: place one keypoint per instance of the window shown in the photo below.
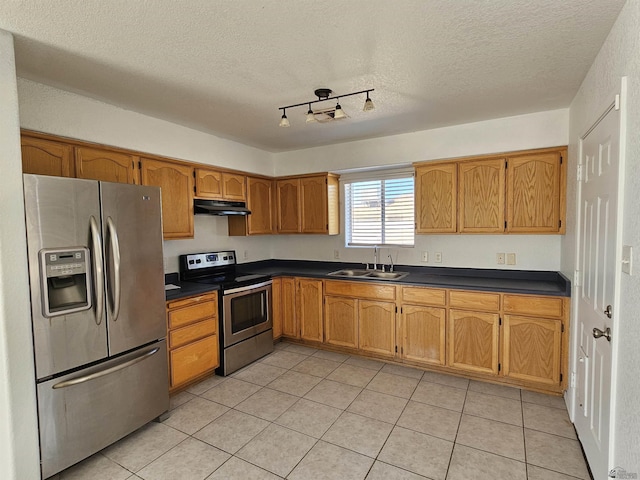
(379, 210)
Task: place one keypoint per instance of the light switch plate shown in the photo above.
(425, 256)
(627, 259)
(500, 258)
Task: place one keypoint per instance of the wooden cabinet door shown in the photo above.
(436, 198)
(341, 321)
(313, 199)
(532, 349)
(473, 341)
(193, 360)
(105, 165)
(481, 192)
(290, 326)
(309, 303)
(533, 193)
(208, 183)
(288, 197)
(276, 307)
(376, 325)
(176, 182)
(46, 157)
(234, 187)
(259, 202)
(423, 334)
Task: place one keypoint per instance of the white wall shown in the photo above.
(618, 57)
(19, 455)
(533, 252)
(51, 110)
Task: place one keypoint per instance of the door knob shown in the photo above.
(606, 333)
(608, 311)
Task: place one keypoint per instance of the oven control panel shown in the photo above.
(197, 261)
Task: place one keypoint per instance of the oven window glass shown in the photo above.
(248, 310)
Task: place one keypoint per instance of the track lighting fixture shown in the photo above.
(324, 94)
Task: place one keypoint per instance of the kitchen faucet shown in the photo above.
(391, 261)
(375, 257)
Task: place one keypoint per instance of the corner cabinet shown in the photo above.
(308, 204)
(192, 338)
(176, 182)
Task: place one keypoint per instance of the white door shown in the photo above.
(597, 244)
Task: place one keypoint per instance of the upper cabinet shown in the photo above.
(46, 157)
(105, 165)
(218, 185)
(176, 182)
(481, 193)
(308, 204)
(435, 187)
(261, 203)
(535, 193)
(518, 192)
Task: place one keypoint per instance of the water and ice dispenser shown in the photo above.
(65, 278)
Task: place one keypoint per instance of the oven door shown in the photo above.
(246, 312)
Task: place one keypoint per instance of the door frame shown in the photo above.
(619, 102)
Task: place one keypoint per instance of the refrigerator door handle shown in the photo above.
(102, 373)
(97, 268)
(115, 255)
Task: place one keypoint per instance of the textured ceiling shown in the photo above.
(224, 66)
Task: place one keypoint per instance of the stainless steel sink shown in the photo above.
(369, 274)
(388, 275)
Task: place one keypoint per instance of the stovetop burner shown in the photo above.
(216, 268)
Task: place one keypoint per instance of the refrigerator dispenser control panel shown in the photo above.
(65, 280)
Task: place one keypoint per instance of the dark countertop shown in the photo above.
(187, 289)
(510, 281)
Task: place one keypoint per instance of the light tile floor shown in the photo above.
(302, 413)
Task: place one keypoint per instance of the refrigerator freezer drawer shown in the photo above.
(85, 411)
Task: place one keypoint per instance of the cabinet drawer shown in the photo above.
(360, 289)
(193, 313)
(537, 306)
(188, 334)
(193, 360)
(427, 296)
(474, 300)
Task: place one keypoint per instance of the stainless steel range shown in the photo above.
(246, 327)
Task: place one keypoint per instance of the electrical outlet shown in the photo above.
(500, 258)
(511, 258)
(246, 255)
(438, 257)
(425, 256)
(336, 254)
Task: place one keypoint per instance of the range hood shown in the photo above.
(219, 207)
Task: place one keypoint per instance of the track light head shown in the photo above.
(339, 112)
(310, 116)
(368, 104)
(284, 121)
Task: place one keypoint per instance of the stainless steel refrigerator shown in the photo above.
(98, 313)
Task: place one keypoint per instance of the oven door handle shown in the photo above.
(247, 288)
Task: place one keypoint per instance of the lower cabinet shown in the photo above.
(192, 338)
(473, 341)
(376, 325)
(341, 321)
(309, 308)
(531, 349)
(276, 307)
(290, 326)
(423, 334)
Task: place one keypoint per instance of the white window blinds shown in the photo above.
(379, 211)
